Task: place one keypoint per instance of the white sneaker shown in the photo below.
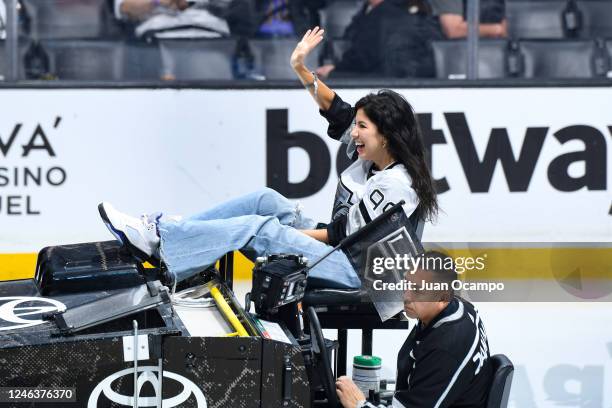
(139, 235)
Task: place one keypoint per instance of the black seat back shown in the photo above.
(596, 19)
(85, 59)
(55, 19)
(142, 61)
(451, 58)
(22, 48)
(188, 59)
(535, 19)
(499, 391)
(272, 57)
(558, 59)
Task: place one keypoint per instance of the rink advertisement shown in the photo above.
(510, 164)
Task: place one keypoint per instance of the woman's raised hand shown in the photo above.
(310, 40)
(323, 96)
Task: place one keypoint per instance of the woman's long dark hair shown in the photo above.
(397, 122)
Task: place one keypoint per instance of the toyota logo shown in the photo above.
(148, 374)
(18, 312)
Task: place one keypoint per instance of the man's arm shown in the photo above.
(139, 9)
(454, 26)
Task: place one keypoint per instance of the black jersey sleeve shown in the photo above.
(339, 116)
(436, 381)
(336, 230)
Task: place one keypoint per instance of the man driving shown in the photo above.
(445, 359)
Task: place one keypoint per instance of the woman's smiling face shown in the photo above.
(368, 140)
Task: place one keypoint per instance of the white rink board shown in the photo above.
(183, 150)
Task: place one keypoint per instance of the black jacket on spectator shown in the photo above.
(392, 40)
(491, 11)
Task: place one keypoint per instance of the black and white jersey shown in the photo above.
(446, 363)
(363, 192)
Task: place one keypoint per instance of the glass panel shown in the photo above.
(192, 40)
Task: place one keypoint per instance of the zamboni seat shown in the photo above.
(344, 309)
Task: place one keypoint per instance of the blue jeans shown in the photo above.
(264, 222)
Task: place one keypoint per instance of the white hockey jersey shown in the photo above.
(364, 193)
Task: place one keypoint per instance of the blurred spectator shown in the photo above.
(23, 20)
(452, 16)
(388, 38)
(2, 20)
(287, 18)
(277, 20)
(219, 17)
(139, 10)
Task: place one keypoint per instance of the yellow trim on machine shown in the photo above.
(23, 266)
(501, 263)
(17, 266)
(228, 312)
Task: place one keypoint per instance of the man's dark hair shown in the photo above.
(442, 268)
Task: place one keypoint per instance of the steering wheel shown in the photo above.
(318, 342)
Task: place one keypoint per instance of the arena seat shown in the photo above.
(596, 19)
(499, 391)
(199, 59)
(4, 66)
(535, 19)
(557, 58)
(337, 15)
(272, 57)
(85, 59)
(60, 19)
(451, 58)
(142, 61)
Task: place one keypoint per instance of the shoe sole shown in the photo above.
(121, 237)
